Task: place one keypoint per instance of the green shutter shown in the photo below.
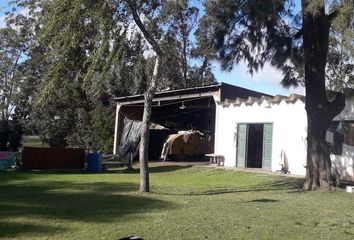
(267, 145)
(241, 150)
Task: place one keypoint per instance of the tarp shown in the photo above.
(130, 141)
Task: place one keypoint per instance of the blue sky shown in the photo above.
(267, 80)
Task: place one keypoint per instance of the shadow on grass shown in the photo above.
(263, 200)
(284, 184)
(21, 175)
(152, 169)
(11, 230)
(91, 202)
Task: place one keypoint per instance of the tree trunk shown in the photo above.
(144, 137)
(320, 111)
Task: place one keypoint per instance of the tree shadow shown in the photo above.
(168, 168)
(263, 200)
(152, 169)
(12, 230)
(283, 184)
(65, 200)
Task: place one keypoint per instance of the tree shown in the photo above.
(76, 72)
(15, 39)
(149, 9)
(162, 21)
(87, 52)
(258, 31)
(340, 59)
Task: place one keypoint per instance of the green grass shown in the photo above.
(186, 203)
(32, 141)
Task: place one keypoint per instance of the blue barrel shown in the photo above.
(93, 162)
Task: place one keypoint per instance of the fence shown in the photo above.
(7, 159)
(52, 158)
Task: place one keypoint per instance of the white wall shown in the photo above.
(348, 111)
(289, 131)
(345, 163)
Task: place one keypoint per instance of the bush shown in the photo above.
(10, 135)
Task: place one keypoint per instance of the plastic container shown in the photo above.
(93, 162)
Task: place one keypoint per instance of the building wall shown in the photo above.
(348, 111)
(344, 163)
(289, 131)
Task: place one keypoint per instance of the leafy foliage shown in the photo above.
(82, 54)
(252, 31)
(340, 60)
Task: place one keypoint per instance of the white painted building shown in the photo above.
(344, 162)
(284, 119)
(281, 124)
(250, 129)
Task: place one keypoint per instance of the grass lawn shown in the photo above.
(32, 141)
(187, 202)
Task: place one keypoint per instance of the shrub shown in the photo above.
(10, 135)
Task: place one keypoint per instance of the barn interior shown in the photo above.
(170, 116)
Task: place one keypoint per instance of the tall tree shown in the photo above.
(15, 39)
(93, 50)
(258, 31)
(149, 9)
(159, 22)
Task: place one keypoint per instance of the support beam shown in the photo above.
(118, 128)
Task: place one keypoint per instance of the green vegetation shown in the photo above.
(187, 202)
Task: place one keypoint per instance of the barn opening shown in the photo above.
(177, 110)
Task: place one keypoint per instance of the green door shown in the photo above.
(241, 148)
(267, 145)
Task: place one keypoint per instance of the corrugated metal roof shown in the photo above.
(223, 89)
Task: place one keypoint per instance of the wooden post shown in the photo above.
(118, 128)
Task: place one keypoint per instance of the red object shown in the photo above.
(52, 158)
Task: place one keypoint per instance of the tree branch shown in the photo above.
(299, 34)
(333, 14)
(336, 106)
(151, 40)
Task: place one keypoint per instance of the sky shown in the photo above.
(266, 80)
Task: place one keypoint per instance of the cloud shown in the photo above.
(267, 74)
(267, 80)
(2, 21)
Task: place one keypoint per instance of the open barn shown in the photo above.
(177, 110)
